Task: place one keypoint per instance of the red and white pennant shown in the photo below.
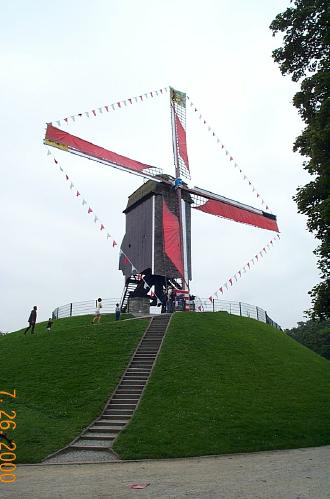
(90, 211)
(248, 266)
(112, 107)
(227, 153)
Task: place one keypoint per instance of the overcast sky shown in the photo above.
(61, 59)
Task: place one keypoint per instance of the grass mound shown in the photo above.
(62, 379)
(227, 384)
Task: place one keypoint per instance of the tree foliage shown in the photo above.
(305, 55)
(314, 335)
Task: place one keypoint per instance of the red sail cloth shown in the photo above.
(80, 145)
(171, 231)
(225, 210)
(182, 142)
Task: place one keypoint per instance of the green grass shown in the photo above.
(62, 379)
(227, 384)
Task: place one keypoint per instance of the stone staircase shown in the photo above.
(123, 402)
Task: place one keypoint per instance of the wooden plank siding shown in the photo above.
(137, 242)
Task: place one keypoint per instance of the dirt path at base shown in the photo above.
(293, 474)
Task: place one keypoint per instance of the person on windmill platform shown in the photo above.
(170, 300)
(177, 183)
(97, 316)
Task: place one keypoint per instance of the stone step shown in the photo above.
(137, 370)
(153, 352)
(100, 429)
(143, 362)
(131, 386)
(142, 353)
(132, 368)
(134, 381)
(142, 356)
(105, 426)
(116, 419)
(135, 378)
(140, 371)
(151, 339)
(126, 396)
(150, 342)
(118, 412)
(90, 445)
(134, 371)
(132, 389)
(151, 346)
(133, 395)
(139, 364)
(121, 405)
(125, 400)
(155, 329)
(138, 358)
(129, 389)
(153, 334)
(113, 421)
(100, 435)
(148, 349)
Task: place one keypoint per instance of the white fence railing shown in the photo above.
(200, 305)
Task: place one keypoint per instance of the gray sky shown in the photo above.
(70, 57)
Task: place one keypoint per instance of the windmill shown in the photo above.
(156, 249)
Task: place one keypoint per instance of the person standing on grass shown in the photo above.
(49, 324)
(32, 320)
(97, 316)
(117, 312)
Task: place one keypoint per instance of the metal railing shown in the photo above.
(235, 308)
(200, 305)
(84, 308)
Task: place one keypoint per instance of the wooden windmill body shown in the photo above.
(156, 249)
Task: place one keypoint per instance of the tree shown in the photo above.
(314, 335)
(305, 55)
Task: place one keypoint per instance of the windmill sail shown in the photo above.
(178, 112)
(221, 206)
(171, 236)
(63, 140)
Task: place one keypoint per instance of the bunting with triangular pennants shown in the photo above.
(90, 211)
(63, 140)
(223, 148)
(248, 266)
(121, 104)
